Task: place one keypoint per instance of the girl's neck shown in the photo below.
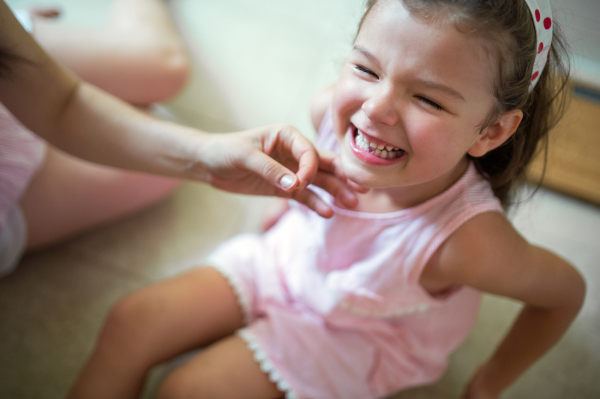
(396, 198)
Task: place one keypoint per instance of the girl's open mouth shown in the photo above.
(369, 151)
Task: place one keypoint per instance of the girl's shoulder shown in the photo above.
(488, 254)
(482, 250)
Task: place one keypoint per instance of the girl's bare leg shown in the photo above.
(138, 57)
(69, 195)
(155, 324)
(224, 370)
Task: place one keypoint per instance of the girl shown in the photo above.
(438, 110)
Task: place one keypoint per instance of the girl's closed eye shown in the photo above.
(430, 103)
(366, 71)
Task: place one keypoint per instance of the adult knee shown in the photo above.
(128, 325)
(175, 386)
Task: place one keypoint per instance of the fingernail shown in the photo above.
(287, 181)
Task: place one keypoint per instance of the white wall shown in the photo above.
(581, 22)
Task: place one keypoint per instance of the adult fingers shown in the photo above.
(314, 202)
(271, 171)
(334, 186)
(290, 143)
(330, 162)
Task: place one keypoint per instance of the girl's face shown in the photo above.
(416, 90)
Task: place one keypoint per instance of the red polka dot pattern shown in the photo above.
(541, 13)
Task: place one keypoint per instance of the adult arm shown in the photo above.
(89, 123)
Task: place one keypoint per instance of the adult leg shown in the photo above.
(69, 195)
(138, 56)
(155, 324)
(226, 369)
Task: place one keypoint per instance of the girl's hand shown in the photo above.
(477, 389)
(273, 160)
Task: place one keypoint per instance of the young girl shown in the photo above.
(438, 110)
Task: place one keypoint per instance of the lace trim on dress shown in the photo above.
(392, 313)
(236, 286)
(265, 364)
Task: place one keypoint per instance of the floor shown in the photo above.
(256, 63)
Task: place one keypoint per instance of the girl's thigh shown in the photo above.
(174, 316)
(226, 369)
(69, 195)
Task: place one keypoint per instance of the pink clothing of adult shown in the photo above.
(334, 306)
(21, 154)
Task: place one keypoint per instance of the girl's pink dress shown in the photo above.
(334, 306)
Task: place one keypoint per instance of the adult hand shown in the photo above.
(274, 160)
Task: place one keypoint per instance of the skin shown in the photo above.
(486, 253)
(69, 195)
(382, 92)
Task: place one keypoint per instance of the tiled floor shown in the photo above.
(256, 62)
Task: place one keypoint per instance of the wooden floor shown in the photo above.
(574, 152)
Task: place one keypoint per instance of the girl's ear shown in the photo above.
(497, 133)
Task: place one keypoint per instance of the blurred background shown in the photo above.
(256, 63)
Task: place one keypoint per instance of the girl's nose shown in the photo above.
(380, 107)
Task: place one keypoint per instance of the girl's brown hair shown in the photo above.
(508, 27)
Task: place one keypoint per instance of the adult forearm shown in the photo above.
(101, 128)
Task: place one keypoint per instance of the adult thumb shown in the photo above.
(273, 172)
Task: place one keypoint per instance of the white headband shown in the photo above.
(541, 13)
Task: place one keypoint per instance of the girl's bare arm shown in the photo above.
(488, 254)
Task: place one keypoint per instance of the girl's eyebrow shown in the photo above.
(440, 87)
(365, 53)
(427, 83)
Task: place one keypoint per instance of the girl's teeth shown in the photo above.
(381, 151)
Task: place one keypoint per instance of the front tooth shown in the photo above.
(373, 146)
